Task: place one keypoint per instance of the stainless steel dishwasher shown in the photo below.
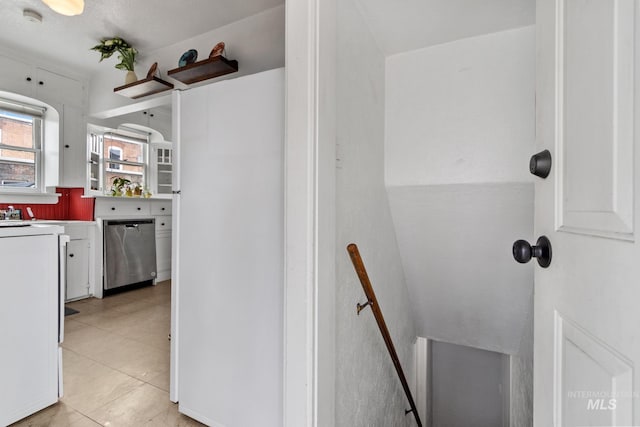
(129, 252)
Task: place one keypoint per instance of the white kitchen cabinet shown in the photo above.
(77, 285)
(162, 166)
(16, 76)
(80, 259)
(29, 80)
(73, 146)
(122, 207)
(161, 207)
(163, 247)
(54, 87)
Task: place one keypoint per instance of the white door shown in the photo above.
(587, 303)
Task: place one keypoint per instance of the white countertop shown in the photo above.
(25, 228)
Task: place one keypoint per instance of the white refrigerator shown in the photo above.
(227, 334)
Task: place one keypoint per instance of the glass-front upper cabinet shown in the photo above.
(163, 155)
(95, 148)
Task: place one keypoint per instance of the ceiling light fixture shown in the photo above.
(66, 7)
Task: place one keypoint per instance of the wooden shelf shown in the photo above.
(143, 87)
(204, 70)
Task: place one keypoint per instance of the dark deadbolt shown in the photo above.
(540, 164)
(523, 251)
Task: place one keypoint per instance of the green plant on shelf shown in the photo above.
(127, 53)
(119, 186)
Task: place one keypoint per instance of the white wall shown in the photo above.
(257, 42)
(461, 112)
(459, 131)
(468, 386)
(368, 391)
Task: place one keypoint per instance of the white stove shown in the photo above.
(32, 312)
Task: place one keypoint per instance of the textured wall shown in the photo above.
(462, 112)
(459, 130)
(522, 378)
(467, 386)
(368, 392)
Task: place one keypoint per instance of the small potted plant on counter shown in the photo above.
(119, 186)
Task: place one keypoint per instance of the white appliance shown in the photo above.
(228, 250)
(32, 315)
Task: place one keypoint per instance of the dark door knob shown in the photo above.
(523, 251)
(540, 164)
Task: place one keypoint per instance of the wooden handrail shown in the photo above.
(372, 302)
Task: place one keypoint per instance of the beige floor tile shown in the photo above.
(58, 415)
(171, 417)
(81, 422)
(84, 308)
(71, 325)
(139, 360)
(112, 347)
(89, 384)
(104, 319)
(136, 408)
(93, 342)
(134, 306)
(161, 381)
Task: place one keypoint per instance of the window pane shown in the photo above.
(128, 151)
(17, 168)
(132, 173)
(115, 153)
(16, 129)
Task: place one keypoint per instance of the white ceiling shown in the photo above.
(146, 24)
(405, 25)
(151, 24)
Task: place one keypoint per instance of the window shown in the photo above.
(20, 146)
(124, 157)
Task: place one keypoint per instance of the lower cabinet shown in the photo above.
(78, 285)
(80, 259)
(163, 247)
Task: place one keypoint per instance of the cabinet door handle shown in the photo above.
(139, 208)
(162, 208)
(70, 255)
(113, 209)
(41, 83)
(66, 145)
(162, 224)
(28, 79)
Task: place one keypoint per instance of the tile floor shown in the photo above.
(116, 364)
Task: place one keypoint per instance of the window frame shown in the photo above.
(37, 147)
